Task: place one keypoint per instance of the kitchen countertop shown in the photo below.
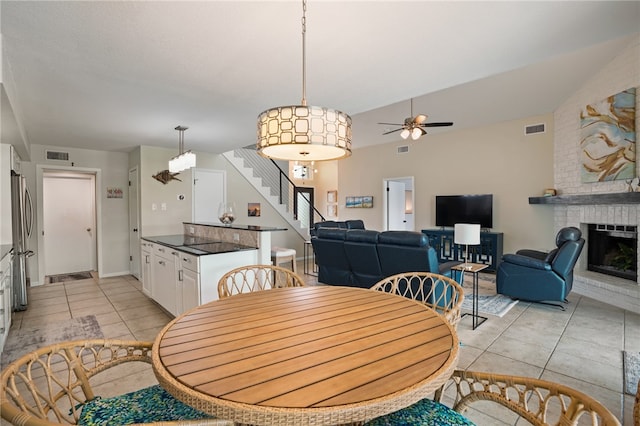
(5, 249)
(197, 245)
(239, 227)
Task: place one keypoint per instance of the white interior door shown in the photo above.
(395, 206)
(134, 225)
(209, 190)
(68, 201)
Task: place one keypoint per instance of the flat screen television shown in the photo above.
(452, 209)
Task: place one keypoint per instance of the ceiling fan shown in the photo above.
(414, 126)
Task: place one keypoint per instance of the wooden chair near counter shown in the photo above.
(82, 382)
(280, 255)
(246, 279)
(440, 293)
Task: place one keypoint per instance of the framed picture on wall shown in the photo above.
(332, 196)
(332, 210)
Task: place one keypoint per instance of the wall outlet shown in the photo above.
(192, 230)
(236, 237)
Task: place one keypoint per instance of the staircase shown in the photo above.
(273, 183)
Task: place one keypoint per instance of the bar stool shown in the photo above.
(280, 255)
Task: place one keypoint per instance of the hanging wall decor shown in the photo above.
(365, 201)
(253, 209)
(608, 138)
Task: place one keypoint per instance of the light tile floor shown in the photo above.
(580, 347)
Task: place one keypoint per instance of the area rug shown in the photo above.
(24, 340)
(70, 277)
(489, 302)
(631, 366)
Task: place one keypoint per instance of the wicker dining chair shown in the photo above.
(80, 382)
(246, 279)
(440, 293)
(539, 402)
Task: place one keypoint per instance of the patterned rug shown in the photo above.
(631, 365)
(24, 340)
(489, 302)
(69, 277)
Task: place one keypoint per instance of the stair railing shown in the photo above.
(279, 184)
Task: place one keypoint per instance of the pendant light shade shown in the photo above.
(184, 160)
(304, 133)
(301, 132)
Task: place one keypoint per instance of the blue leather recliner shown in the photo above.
(542, 277)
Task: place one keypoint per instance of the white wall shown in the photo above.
(114, 236)
(497, 159)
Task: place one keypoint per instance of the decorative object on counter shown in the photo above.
(608, 138)
(301, 132)
(184, 160)
(165, 176)
(253, 209)
(227, 213)
(549, 192)
(365, 201)
(630, 188)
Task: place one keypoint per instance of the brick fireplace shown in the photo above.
(621, 73)
(617, 291)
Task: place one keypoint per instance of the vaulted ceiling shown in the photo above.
(114, 75)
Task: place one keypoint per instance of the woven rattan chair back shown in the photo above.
(49, 386)
(540, 402)
(440, 293)
(246, 279)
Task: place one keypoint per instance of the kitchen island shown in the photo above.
(181, 271)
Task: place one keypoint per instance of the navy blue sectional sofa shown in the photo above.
(361, 257)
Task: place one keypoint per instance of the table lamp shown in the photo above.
(467, 234)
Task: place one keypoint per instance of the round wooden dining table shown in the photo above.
(317, 355)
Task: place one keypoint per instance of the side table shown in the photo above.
(474, 268)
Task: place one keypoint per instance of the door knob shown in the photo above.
(88, 229)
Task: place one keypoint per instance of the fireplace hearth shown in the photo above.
(612, 250)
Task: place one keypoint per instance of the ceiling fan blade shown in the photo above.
(419, 119)
(392, 124)
(393, 131)
(440, 124)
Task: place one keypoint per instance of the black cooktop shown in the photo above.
(181, 240)
(214, 248)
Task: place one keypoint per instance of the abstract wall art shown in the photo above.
(608, 138)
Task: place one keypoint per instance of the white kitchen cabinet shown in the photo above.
(146, 250)
(163, 289)
(180, 281)
(188, 289)
(5, 299)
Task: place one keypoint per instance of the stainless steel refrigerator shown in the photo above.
(22, 225)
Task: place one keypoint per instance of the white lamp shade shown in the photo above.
(416, 133)
(405, 133)
(304, 133)
(466, 233)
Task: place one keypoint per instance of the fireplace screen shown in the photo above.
(613, 250)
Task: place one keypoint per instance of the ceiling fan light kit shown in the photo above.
(301, 132)
(414, 126)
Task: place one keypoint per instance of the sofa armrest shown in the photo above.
(527, 262)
